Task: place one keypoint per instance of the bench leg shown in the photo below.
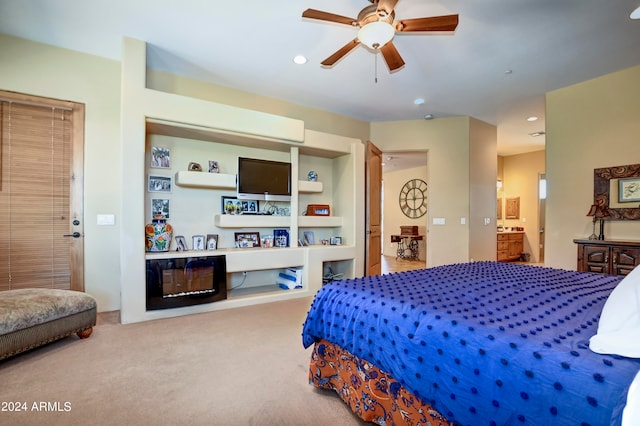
(85, 333)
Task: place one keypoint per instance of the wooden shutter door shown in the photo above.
(36, 217)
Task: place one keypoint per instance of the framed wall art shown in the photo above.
(160, 157)
(160, 206)
(629, 190)
(160, 183)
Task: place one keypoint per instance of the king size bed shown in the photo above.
(481, 343)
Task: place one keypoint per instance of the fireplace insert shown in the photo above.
(185, 281)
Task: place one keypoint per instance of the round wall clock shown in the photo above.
(413, 198)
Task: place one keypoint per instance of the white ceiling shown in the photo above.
(496, 67)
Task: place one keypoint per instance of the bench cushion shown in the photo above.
(21, 309)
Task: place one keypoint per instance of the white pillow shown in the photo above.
(619, 324)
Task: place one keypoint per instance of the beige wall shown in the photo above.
(589, 125)
(47, 71)
(314, 119)
(520, 179)
(393, 218)
(483, 165)
(447, 143)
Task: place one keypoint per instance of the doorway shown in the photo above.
(41, 196)
(403, 169)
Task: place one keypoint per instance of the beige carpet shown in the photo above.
(243, 366)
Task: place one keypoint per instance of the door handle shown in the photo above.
(74, 235)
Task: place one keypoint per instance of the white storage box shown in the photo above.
(289, 279)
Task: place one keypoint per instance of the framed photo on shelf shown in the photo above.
(160, 157)
(281, 238)
(336, 241)
(231, 205)
(181, 243)
(309, 238)
(160, 183)
(247, 239)
(212, 241)
(267, 241)
(198, 242)
(629, 190)
(160, 207)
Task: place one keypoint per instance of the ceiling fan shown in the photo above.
(377, 28)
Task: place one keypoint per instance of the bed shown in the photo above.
(481, 343)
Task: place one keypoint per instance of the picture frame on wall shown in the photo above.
(629, 190)
(247, 239)
(158, 183)
(160, 206)
(160, 157)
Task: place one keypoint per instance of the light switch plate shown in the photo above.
(106, 219)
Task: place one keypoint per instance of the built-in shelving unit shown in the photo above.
(263, 264)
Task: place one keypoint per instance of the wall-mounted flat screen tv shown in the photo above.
(263, 180)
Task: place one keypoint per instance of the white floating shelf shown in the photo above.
(251, 221)
(309, 186)
(319, 221)
(205, 180)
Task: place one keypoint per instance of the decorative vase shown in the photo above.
(158, 234)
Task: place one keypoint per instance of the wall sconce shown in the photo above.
(598, 213)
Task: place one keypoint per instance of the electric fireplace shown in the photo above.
(185, 281)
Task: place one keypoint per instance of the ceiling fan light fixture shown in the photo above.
(376, 34)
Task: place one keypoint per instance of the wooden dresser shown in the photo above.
(608, 257)
(510, 245)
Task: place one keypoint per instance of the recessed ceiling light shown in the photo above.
(532, 118)
(418, 101)
(300, 59)
(508, 72)
(635, 14)
(535, 134)
(428, 116)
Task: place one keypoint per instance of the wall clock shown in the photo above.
(413, 198)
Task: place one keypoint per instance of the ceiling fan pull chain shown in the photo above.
(375, 68)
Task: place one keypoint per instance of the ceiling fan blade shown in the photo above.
(434, 23)
(387, 5)
(326, 16)
(340, 53)
(391, 56)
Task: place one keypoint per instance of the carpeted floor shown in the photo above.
(243, 366)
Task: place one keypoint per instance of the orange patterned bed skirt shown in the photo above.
(372, 394)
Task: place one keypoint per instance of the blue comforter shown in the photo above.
(485, 343)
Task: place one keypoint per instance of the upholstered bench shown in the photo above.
(33, 317)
